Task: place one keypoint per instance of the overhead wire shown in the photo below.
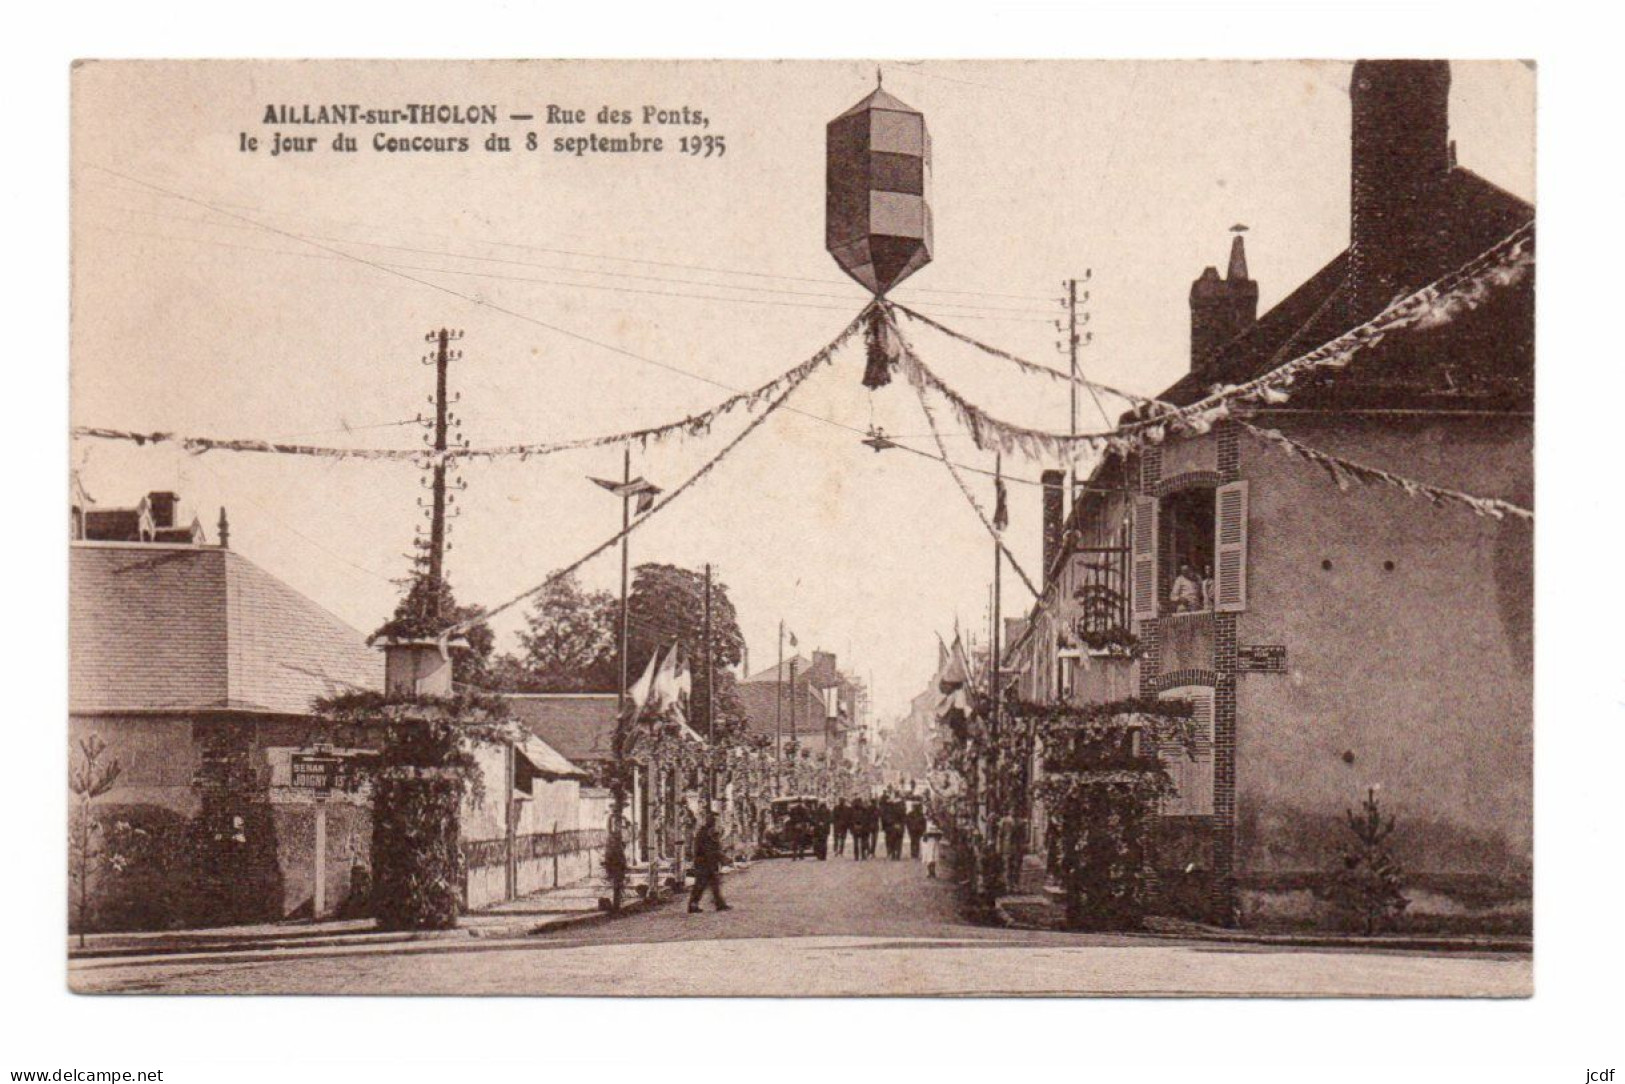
(484, 303)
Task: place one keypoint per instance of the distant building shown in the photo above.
(1340, 639)
(808, 701)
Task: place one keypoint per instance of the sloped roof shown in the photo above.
(183, 628)
(548, 762)
(1471, 215)
(764, 713)
(580, 726)
(771, 674)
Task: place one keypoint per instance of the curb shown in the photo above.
(1215, 935)
(294, 940)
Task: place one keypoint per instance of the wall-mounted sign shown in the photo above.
(318, 771)
(1261, 658)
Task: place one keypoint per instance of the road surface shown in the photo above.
(822, 929)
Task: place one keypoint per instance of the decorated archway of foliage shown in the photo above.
(1100, 779)
(424, 772)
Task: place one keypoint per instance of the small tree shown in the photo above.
(1370, 886)
(89, 779)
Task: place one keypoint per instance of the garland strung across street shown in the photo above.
(1465, 288)
(936, 434)
(987, 431)
(691, 426)
(1344, 471)
(1019, 362)
(803, 371)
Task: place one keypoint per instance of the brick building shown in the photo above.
(1344, 638)
(809, 701)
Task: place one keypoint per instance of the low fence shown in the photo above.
(539, 860)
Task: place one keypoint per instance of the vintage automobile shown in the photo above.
(781, 817)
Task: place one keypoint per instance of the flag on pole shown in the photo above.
(644, 490)
(790, 636)
(1001, 500)
(640, 690)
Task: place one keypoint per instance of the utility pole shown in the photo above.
(778, 717)
(440, 441)
(626, 489)
(1076, 338)
(997, 688)
(710, 698)
(793, 744)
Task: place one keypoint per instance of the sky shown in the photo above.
(233, 294)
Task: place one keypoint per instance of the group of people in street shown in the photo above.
(888, 818)
(894, 818)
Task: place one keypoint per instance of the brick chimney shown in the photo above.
(161, 505)
(1400, 154)
(1054, 485)
(1223, 308)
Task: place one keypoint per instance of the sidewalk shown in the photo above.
(1038, 912)
(569, 905)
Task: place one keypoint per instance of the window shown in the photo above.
(1192, 778)
(1189, 551)
(1185, 550)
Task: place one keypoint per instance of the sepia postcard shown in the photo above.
(802, 528)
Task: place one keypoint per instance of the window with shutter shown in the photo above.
(1192, 778)
(1145, 557)
(1230, 548)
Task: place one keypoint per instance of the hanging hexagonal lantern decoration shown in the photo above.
(877, 220)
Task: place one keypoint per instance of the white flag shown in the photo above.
(640, 690)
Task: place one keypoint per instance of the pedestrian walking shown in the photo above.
(857, 818)
(821, 819)
(930, 842)
(915, 823)
(707, 866)
(842, 820)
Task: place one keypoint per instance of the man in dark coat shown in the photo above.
(872, 828)
(798, 831)
(841, 820)
(894, 829)
(915, 823)
(707, 866)
(863, 842)
(821, 818)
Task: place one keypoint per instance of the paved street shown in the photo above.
(811, 928)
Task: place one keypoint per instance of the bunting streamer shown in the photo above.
(959, 480)
(802, 373)
(1019, 362)
(1344, 472)
(1467, 287)
(988, 432)
(1503, 264)
(691, 426)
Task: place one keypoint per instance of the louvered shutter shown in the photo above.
(1192, 779)
(1230, 548)
(1144, 557)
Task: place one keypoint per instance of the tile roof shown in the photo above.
(181, 628)
(1470, 216)
(580, 726)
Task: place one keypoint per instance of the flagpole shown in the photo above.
(621, 724)
(998, 683)
(778, 717)
(710, 699)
